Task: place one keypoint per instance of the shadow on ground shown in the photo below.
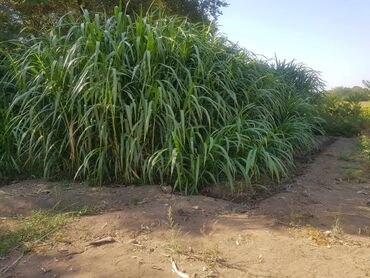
(319, 225)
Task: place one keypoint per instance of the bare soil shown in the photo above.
(319, 226)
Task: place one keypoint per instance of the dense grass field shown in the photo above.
(151, 99)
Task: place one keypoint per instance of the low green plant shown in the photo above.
(152, 99)
(342, 118)
(345, 156)
(354, 174)
(365, 146)
(31, 230)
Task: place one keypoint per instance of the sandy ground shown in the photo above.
(318, 227)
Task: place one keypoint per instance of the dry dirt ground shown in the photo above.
(318, 227)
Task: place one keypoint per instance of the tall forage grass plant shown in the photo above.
(151, 99)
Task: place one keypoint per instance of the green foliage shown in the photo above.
(31, 230)
(8, 165)
(155, 100)
(42, 14)
(365, 146)
(7, 162)
(303, 80)
(351, 94)
(342, 118)
(366, 108)
(26, 233)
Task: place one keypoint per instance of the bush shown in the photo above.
(342, 118)
(142, 100)
(351, 94)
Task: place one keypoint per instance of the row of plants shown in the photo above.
(151, 99)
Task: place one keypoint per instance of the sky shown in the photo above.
(330, 36)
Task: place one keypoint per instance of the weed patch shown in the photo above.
(39, 226)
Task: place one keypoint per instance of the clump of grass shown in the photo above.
(151, 99)
(38, 226)
(337, 228)
(170, 220)
(175, 243)
(365, 146)
(32, 230)
(364, 231)
(316, 235)
(345, 156)
(354, 174)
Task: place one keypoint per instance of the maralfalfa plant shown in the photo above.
(8, 164)
(150, 99)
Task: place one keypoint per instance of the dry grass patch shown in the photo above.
(27, 233)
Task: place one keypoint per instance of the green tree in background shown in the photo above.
(40, 14)
(352, 94)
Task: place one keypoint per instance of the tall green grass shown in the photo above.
(8, 164)
(148, 99)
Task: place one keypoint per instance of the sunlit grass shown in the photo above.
(365, 104)
(366, 107)
(31, 230)
(25, 233)
(342, 118)
(151, 99)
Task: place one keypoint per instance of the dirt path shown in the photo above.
(319, 227)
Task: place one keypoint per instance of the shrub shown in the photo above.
(155, 100)
(351, 94)
(342, 118)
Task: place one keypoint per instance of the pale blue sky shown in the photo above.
(331, 36)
